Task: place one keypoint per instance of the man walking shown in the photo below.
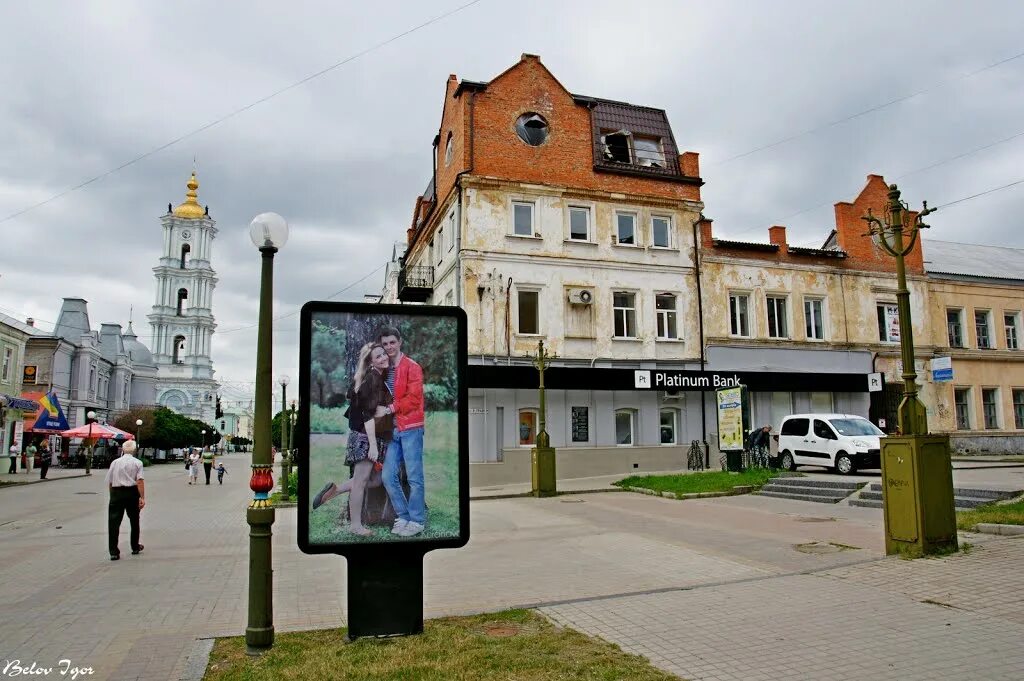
(127, 495)
(405, 381)
(13, 454)
(207, 462)
(28, 459)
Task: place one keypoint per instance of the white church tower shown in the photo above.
(182, 317)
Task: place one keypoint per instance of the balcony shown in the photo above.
(415, 284)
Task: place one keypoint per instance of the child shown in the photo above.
(220, 473)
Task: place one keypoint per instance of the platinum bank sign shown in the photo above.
(646, 379)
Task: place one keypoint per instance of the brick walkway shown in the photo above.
(138, 618)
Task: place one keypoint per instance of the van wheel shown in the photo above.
(844, 464)
(786, 462)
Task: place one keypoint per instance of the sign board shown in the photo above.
(875, 383)
(729, 402)
(671, 379)
(942, 369)
(580, 424)
(28, 374)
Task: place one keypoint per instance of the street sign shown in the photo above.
(942, 369)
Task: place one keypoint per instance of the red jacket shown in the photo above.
(408, 405)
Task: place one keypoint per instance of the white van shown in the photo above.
(843, 442)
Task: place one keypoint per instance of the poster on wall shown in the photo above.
(729, 402)
(892, 323)
(383, 428)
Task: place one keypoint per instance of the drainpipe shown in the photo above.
(508, 323)
(700, 327)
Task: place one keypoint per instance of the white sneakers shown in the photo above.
(406, 528)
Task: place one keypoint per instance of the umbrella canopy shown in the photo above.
(99, 431)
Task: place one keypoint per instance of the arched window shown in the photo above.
(179, 349)
(182, 297)
(185, 250)
(527, 435)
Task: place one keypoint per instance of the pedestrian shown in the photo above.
(44, 459)
(193, 468)
(208, 462)
(29, 457)
(220, 473)
(127, 495)
(13, 453)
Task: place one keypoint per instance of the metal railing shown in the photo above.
(421, 276)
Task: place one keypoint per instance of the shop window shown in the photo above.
(990, 407)
(528, 419)
(669, 426)
(821, 403)
(739, 318)
(625, 427)
(579, 223)
(814, 318)
(661, 231)
(665, 308)
(624, 312)
(955, 328)
(1018, 409)
(962, 402)
(888, 323)
(625, 229)
(529, 311)
(981, 330)
(1010, 326)
(522, 218)
(777, 322)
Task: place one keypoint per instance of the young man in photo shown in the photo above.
(405, 381)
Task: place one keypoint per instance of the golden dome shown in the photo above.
(190, 208)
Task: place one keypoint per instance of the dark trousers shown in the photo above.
(44, 465)
(123, 500)
(207, 467)
(14, 465)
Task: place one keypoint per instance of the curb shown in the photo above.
(34, 481)
(198, 660)
(520, 495)
(996, 528)
(738, 489)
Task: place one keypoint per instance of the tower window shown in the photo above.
(182, 297)
(185, 250)
(179, 349)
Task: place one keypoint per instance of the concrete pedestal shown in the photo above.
(542, 471)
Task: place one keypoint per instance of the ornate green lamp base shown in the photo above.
(542, 460)
(917, 494)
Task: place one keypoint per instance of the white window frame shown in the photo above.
(440, 245)
(1011, 332)
(675, 425)
(532, 205)
(1018, 414)
(618, 235)
(669, 231)
(661, 317)
(632, 427)
(772, 301)
(520, 290)
(820, 317)
(884, 304)
(590, 223)
(8, 363)
(451, 230)
(988, 330)
(995, 405)
(625, 318)
(659, 145)
(966, 392)
(959, 311)
(734, 298)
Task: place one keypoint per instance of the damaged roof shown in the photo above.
(973, 260)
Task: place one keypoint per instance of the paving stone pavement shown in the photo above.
(138, 618)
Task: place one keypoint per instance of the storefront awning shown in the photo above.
(19, 403)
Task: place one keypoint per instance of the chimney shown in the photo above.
(30, 321)
(777, 236)
(706, 240)
(689, 163)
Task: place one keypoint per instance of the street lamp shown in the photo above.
(138, 427)
(269, 232)
(285, 418)
(91, 417)
(204, 439)
(917, 478)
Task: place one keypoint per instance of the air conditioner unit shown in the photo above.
(581, 296)
(671, 396)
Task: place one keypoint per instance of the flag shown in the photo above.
(51, 416)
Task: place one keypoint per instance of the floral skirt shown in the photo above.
(359, 447)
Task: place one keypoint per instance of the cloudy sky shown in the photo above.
(87, 87)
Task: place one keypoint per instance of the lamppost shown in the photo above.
(543, 454)
(204, 439)
(138, 427)
(291, 437)
(917, 477)
(91, 417)
(284, 380)
(269, 232)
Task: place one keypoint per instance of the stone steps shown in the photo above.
(964, 498)
(809, 489)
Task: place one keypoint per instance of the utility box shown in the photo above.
(917, 495)
(542, 471)
(734, 461)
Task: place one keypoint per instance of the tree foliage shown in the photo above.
(165, 429)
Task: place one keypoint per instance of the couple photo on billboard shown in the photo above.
(382, 387)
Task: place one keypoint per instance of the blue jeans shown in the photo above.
(407, 446)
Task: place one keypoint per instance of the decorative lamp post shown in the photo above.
(269, 232)
(138, 427)
(291, 439)
(284, 381)
(542, 457)
(917, 478)
(91, 417)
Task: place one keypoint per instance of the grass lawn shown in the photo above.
(516, 644)
(689, 483)
(1003, 514)
(440, 473)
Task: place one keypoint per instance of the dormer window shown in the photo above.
(616, 147)
(648, 152)
(532, 129)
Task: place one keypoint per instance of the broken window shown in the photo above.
(616, 147)
(532, 129)
(648, 152)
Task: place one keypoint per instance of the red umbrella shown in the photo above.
(96, 431)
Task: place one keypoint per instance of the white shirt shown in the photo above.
(125, 471)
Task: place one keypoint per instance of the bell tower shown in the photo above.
(182, 317)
